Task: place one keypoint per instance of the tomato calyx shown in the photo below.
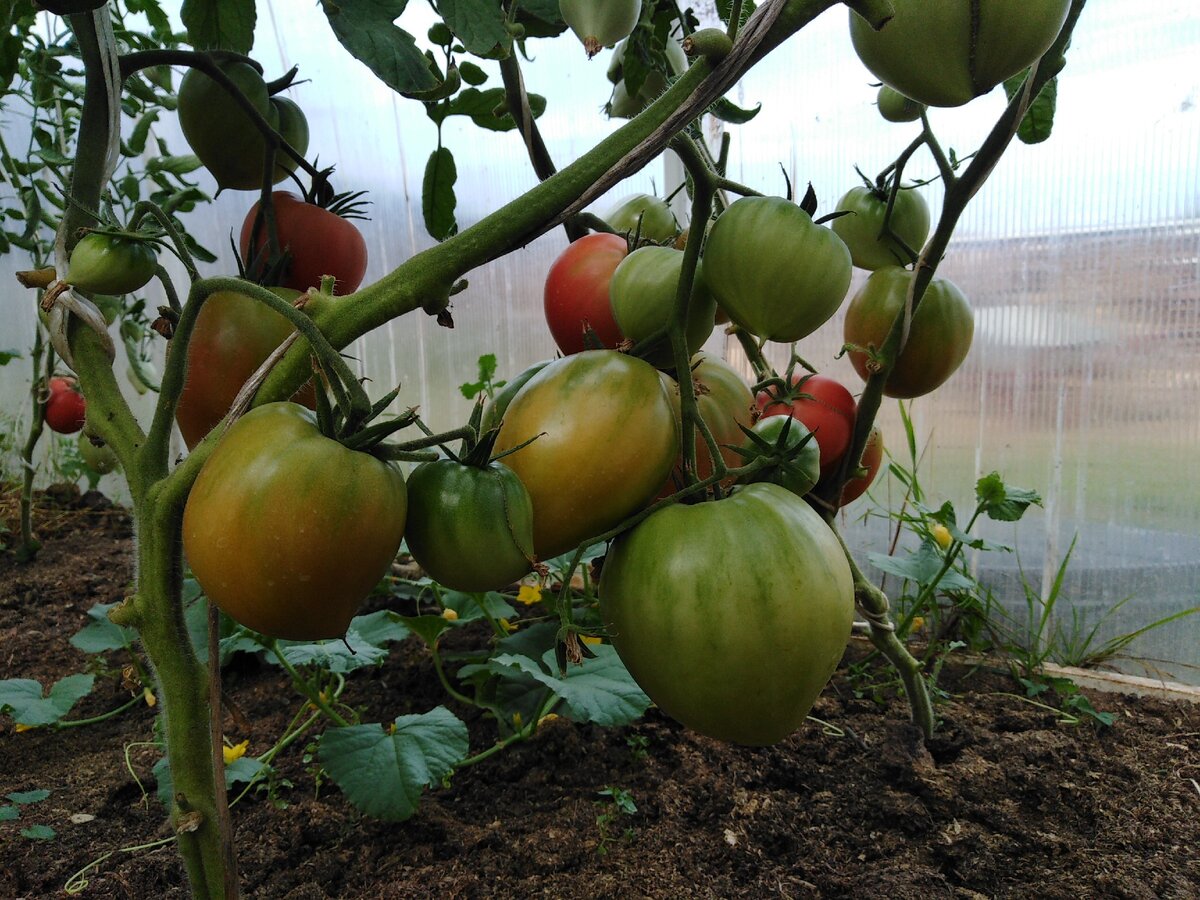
(789, 453)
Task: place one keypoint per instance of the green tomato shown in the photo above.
(895, 107)
(470, 528)
(799, 474)
(111, 264)
(656, 221)
(938, 339)
(600, 23)
(862, 230)
(605, 435)
(624, 105)
(287, 530)
(947, 52)
(775, 272)
(642, 292)
(732, 614)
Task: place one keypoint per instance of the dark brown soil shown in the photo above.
(1007, 802)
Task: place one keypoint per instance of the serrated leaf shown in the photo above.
(380, 628)
(38, 832)
(22, 797)
(367, 29)
(471, 607)
(333, 656)
(384, 774)
(479, 24)
(22, 698)
(1038, 122)
(1002, 502)
(601, 690)
(219, 24)
(437, 194)
(922, 567)
(102, 635)
(427, 628)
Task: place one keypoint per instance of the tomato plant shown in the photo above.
(643, 214)
(287, 530)
(232, 337)
(576, 294)
(895, 107)
(938, 341)
(872, 457)
(642, 292)
(725, 403)
(800, 472)
(948, 52)
(600, 24)
(823, 404)
(732, 614)
(111, 264)
(605, 435)
(66, 409)
(774, 271)
(863, 233)
(469, 527)
(319, 242)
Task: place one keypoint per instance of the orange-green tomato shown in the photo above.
(725, 403)
(938, 340)
(732, 614)
(287, 530)
(605, 436)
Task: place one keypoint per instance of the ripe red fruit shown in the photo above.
(828, 414)
(65, 406)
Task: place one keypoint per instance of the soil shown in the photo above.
(1007, 801)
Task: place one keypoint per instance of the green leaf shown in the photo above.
(7, 356)
(22, 698)
(728, 111)
(380, 628)
(427, 628)
(162, 776)
(437, 194)
(547, 10)
(725, 8)
(601, 690)
(471, 73)
(385, 774)
(38, 832)
(335, 656)
(1001, 502)
(922, 567)
(22, 797)
(245, 770)
(9, 813)
(141, 131)
(479, 24)
(174, 165)
(471, 607)
(480, 107)
(367, 29)
(219, 24)
(1039, 118)
(102, 634)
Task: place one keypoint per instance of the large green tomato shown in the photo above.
(732, 614)
(110, 264)
(938, 340)
(470, 528)
(773, 270)
(287, 530)
(862, 230)
(642, 292)
(947, 52)
(645, 214)
(233, 336)
(605, 436)
(600, 23)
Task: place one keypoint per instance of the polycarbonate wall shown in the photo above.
(1081, 258)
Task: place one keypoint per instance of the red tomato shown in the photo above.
(65, 407)
(320, 242)
(829, 415)
(576, 296)
(872, 456)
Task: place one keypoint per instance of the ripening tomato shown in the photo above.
(947, 52)
(111, 264)
(732, 614)
(219, 131)
(775, 272)
(828, 412)
(576, 296)
(938, 341)
(66, 409)
(872, 457)
(862, 230)
(600, 23)
(605, 436)
(494, 412)
(319, 242)
(232, 337)
(287, 530)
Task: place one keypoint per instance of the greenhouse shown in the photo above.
(600, 448)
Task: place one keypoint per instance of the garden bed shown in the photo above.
(1008, 801)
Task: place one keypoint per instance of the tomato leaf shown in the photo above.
(384, 774)
(219, 24)
(102, 635)
(548, 11)
(1002, 502)
(437, 194)
(922, 567)
(22, 698)
(1039, 118)
(481, 106)
(367, 29)
(601, 690)
(380, 628)
(479, 24)
(728, 111)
